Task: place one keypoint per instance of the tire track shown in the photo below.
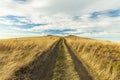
(58, 63)
(41, 68)
(80, 69)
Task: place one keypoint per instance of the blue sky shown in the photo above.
(93, 19)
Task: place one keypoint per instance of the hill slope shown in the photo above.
(59, 58)
(101, 58)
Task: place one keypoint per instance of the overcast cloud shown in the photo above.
(98, 19)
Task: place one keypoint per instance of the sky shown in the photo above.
(99, 19)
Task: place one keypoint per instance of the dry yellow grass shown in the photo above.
(64, 68)
(16, 53)
(102, 58)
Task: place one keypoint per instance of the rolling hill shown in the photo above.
(59, 58)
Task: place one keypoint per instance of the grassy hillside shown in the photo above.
(59, 58)
(102, 58)
(16, 53)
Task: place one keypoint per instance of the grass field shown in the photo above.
(59, 58)
(101, 57)
(15, 53)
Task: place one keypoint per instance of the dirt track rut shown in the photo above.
(81, 70)
(59, 63)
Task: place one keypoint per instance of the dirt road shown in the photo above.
(80, 69)
(58, 63)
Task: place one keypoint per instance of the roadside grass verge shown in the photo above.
(16, 53)
(101, 57)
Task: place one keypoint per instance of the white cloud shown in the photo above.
(39, 7)
(60, 14)
(5, 22)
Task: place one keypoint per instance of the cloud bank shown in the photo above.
(94, 19)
